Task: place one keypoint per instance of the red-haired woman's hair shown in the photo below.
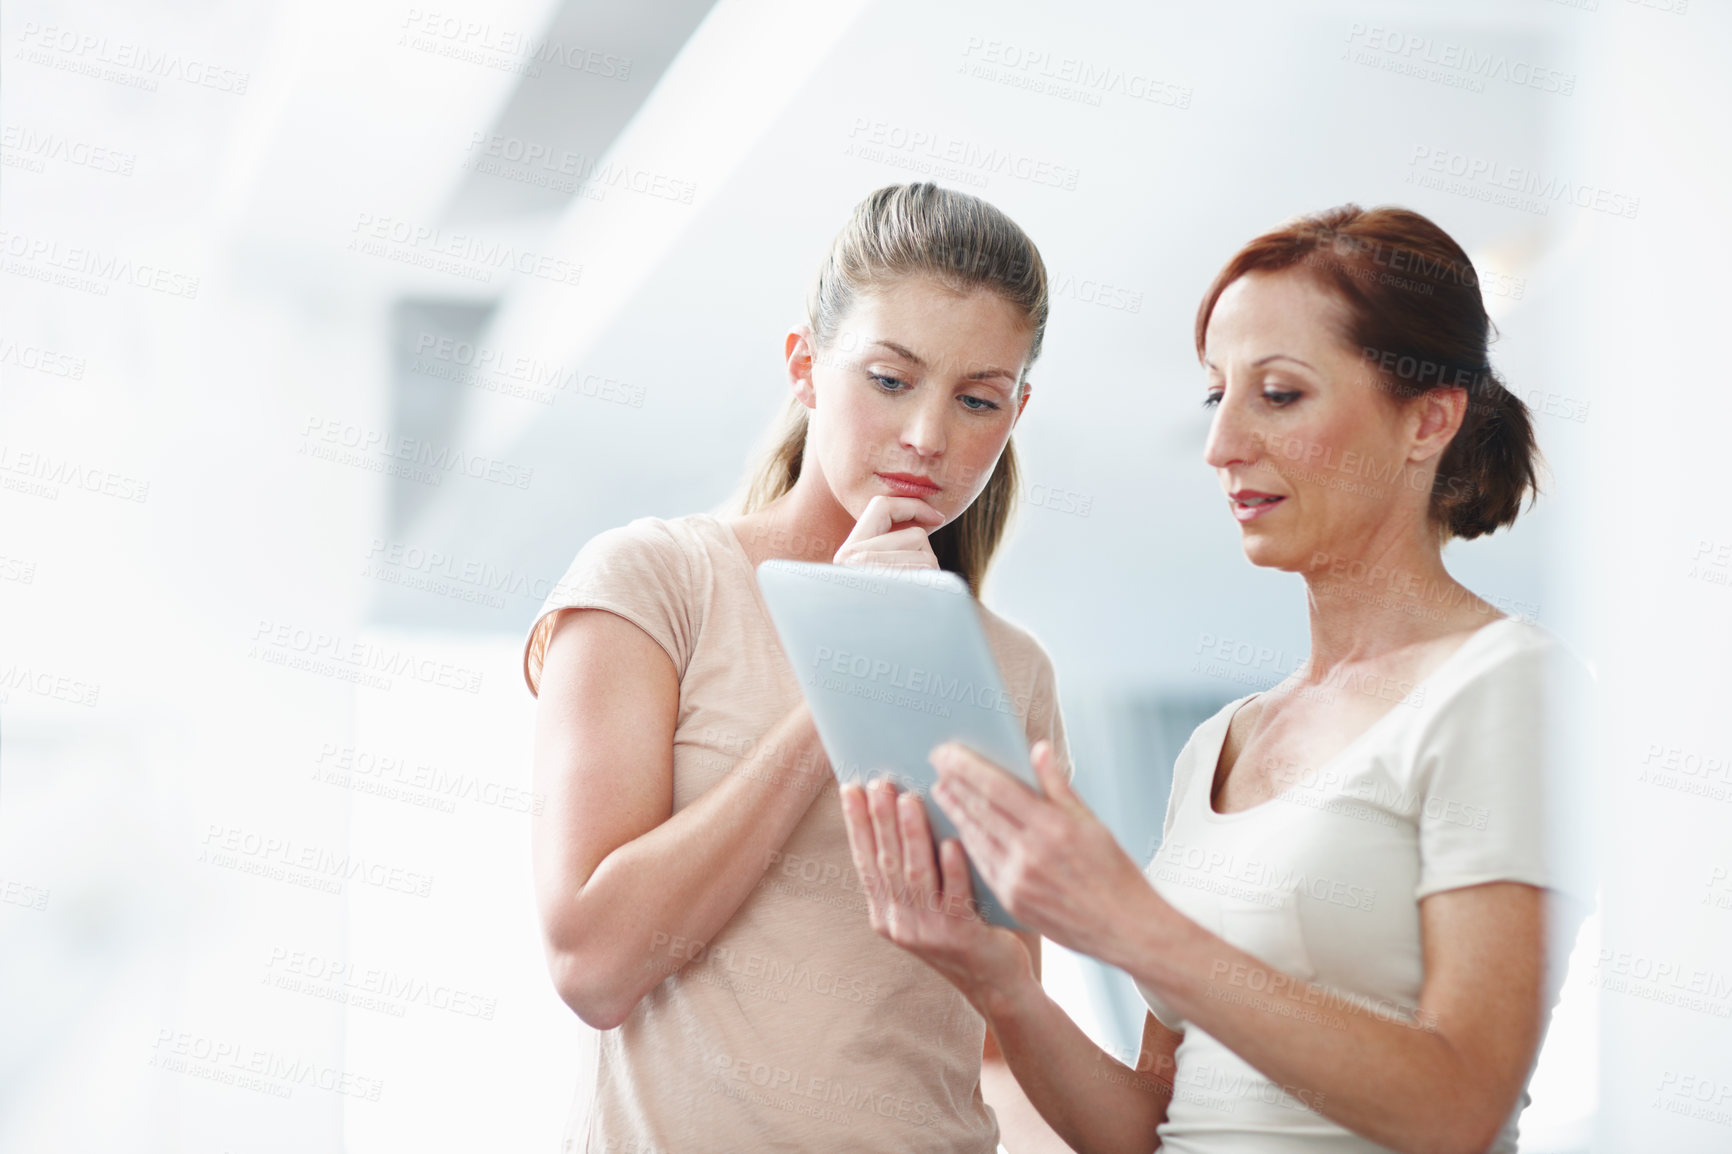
(1414, 313)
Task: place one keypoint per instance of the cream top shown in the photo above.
(796, 1027)
(1323, 881)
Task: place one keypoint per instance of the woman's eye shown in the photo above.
(978, 404)
(888, 384)
(1281, 396)
(1211, 400)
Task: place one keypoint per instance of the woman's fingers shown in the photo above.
(977, 781)
(958, 886)
(882, 512)
(863, 847)
(985, 838)
(873, 542)
(901, 559)
(902, 549)
(918, 868)
(881, 799)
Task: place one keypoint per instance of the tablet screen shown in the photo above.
(892, 663)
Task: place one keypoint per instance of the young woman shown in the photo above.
(1343, 937)
(691, 865)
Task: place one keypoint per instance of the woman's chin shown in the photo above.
(1271, 552)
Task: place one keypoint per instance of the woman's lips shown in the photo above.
(908, 485)
(1250, 506)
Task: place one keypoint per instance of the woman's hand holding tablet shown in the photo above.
(1053, 864)
(894, 662)
(923, 904)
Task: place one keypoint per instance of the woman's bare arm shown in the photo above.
(1021, 1128)
(1443, 1082)
(1096, 1103)
(628, 890)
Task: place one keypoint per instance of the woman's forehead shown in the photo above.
(1289, 308)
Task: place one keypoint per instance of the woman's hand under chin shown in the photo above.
(927, 907)
(873, 543)
(1049, 860)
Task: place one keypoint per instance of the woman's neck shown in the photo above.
(806, 523)
(1383, 599)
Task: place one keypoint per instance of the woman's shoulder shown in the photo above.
(1514, 683)
(655, 572)
(674, 548)
(1511, 654)
(665, 534)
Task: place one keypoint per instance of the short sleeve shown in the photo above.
(1500, 783)
(1045, 720)
(639, 571)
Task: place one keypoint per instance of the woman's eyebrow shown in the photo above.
(987, 373)
(1282, 357)
(901, 351)
(1214, 368)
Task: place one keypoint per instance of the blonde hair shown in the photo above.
(965, 243)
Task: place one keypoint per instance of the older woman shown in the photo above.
(1343, 937)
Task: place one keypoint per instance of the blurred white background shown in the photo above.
(330, 331)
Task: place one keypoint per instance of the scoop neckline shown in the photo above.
(1364, 735)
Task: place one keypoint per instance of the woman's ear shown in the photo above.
(1437, 413)
(1022, 403)
(801, 350)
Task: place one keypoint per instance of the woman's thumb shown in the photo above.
(1053, 781)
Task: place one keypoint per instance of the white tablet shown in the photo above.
(893, 661)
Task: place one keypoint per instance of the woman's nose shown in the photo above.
(923, 433)
(1231, 439)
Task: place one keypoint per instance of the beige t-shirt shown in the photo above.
(1464, 781)
(796, 1027)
